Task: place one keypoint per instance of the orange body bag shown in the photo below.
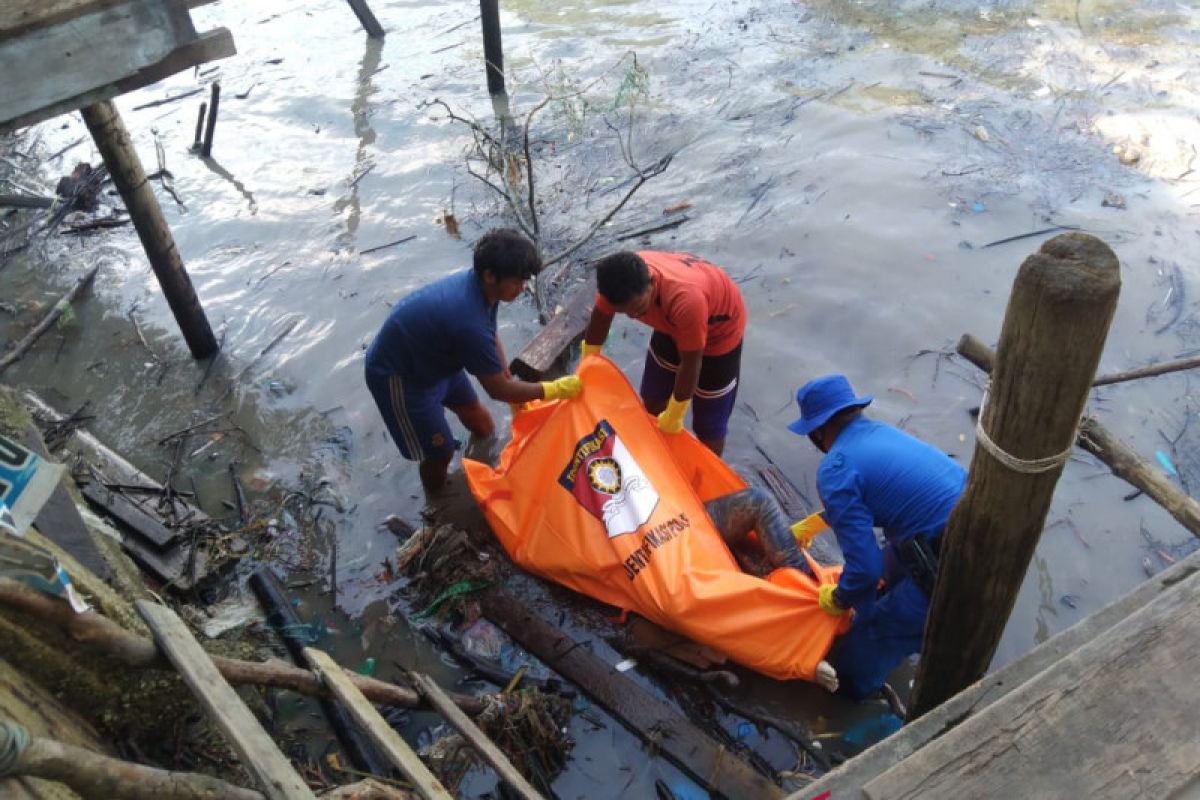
(590, 494)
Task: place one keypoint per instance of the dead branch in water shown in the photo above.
(23, 346)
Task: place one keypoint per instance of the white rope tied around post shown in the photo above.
(1031, 466)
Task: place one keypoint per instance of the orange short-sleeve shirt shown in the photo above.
(695, 303)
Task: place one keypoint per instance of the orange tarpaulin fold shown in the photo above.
(591, 495)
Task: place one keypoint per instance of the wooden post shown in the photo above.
(1062, 302)
(493, 50)
(112, 140)
(367, 19)
(210, 126)
(1122, 459)
(199, 127)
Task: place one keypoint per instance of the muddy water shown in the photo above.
(848, 163)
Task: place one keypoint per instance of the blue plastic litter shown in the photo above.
(978, 207)
(870, 731)
(1166, 462)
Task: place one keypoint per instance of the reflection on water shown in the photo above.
(848, 163)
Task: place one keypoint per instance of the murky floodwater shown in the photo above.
(847, 162)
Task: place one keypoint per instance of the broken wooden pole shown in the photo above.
(210, 125)
(493, 49)
(199, 138)
(64, 302)
(1123, 460)
(112, 140)
(1062, 302)
(1148, 372)
(366, 18)
(541, 358)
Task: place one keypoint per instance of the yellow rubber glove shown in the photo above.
(671, 420)
(586, 349)
(806, 529)
(826, 602)
(562, 388)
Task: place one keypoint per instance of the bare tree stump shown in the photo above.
(1062, 302)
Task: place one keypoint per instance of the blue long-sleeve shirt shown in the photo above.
(877, 476)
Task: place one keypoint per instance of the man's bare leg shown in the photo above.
(477, 419)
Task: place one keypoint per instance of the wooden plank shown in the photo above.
(95, 52)
(848, 779)
(382, 734)
(129, 513)
(261, 758)
(536, 360)
(679, 741)
(1114, 719)
(470, 731)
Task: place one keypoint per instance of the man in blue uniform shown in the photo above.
(417, 366)
(876, 476)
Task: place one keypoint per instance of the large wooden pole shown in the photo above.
(493, 50)
(1123, 460)
(367, 19)
(112, 140)
(1062, 302)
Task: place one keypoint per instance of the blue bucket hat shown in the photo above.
(821, 398)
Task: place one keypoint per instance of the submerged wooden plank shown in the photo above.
(433, 693)
(259, 755)
(678, 740)
(130, 513)
(382, 734)
(536, 360)
(1114, 719)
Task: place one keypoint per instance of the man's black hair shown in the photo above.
(621, 277)
(506, 253)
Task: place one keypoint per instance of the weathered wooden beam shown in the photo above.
(680, 742)
(129, 513)
(1123, 460)
(848, 779)
(1070, 731)
(112, 140)
(538, 359)
(433, 693)
(1062, 302)
(70, 55)
(259, 755)
(382, 734)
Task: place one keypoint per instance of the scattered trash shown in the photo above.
(870, 731)
(1166, 463)
(980, 133)
(626, 665)
(1069, 600)
(367, 667)
(1112, 200)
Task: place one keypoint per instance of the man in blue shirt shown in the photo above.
(418, 364)
(876, 476)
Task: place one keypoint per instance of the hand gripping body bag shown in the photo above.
(591, 495)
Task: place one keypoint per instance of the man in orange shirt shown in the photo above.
(698, 318)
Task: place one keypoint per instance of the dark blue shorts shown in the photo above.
(716, 390)
(415, 413)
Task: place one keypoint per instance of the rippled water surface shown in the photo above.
(848, 163)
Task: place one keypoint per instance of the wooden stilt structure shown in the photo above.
(1062, 302)
(112, 140)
